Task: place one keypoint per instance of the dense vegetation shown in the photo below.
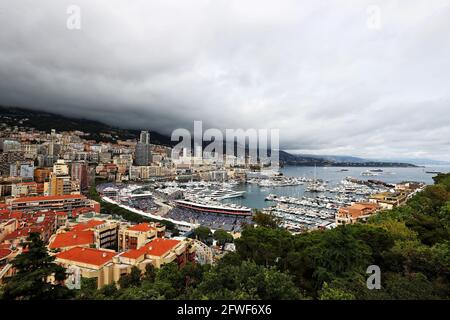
(411, 245)
(34, 270)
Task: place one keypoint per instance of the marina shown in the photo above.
(309, 200)
(319, 209)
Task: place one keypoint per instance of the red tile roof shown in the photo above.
(16, 214)
(23, 232)
(157, 247)
(160, 246)
(90, 256)
(72, 238)
(26, 183)
(144, 227)
(4, 253)
(87, 225)
(134, 253)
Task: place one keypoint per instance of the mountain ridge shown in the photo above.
(44, 121)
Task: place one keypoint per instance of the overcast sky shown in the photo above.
(330, 75)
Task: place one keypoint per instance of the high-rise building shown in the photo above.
(143, 155)
(60, 168)
(22, 169)
(59, 185)
(41, 175)
(79, 172)
(145, 137)
(10, 146)
(7, 158)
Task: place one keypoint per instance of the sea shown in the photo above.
(255, 195)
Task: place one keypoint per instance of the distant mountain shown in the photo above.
(415, 161)
(45, 121)
(418, 161)
(334, 158)
(336, 161)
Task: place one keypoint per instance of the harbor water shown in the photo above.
(255, 195)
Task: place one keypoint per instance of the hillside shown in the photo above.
(99, 131)
(335, 161)
(46, 121)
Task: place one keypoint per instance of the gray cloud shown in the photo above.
(313, 70)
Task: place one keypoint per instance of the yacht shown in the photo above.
(211, 206)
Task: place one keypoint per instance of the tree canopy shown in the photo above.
(37, 277)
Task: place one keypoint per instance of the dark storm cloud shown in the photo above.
(315, 70)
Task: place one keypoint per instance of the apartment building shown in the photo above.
(65, 203)
(93, 233)
(134, 237)
(389, 200)
(92, 263)
(356, 212)
(23, 189)
(108, 266)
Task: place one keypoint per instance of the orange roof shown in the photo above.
(72, 238)
(4, 253)
(91, 256)
(26, 183)
(134, 253)
(144, 227)
(87, 225)
(23, 232)
(364, 205)
(160, 246)
(157, 247)
(42, 198)
(16, 214)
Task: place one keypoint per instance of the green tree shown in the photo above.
(34, 272)
(265, 246)
(330, 293)
(410, 287)
(430, 229)
(222, 237)
(150, 272)
(110, 291)
(397, 230)
(266, 220)
(203, 233)
(131, 279)
(246, 281)
(443, 179)
(88, 289)
(444, 214)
